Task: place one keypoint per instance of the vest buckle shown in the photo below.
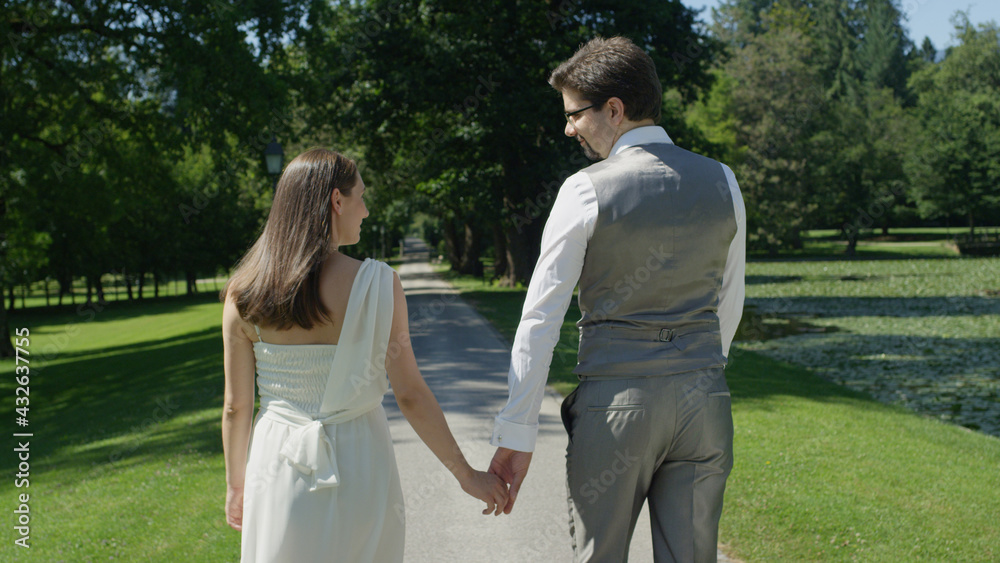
(666, 334)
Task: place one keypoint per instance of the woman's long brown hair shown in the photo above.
(276, 283)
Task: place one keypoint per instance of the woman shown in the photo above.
(321, 330)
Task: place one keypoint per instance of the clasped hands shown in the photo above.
(508, 469)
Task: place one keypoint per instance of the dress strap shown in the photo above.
(257, 328)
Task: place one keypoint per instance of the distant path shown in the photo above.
(465, 363)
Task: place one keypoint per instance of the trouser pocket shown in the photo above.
(565, 411)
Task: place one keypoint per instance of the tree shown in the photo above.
(884, 51)
(927, 51)
(777, 108)
(843, 56)
(865, 147)
(866, 130)
(81, 83)
(955, 167)
(455, 107)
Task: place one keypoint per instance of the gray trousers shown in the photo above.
(666, 439)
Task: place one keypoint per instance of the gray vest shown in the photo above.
(649, 290)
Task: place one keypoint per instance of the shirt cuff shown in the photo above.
(514, 436)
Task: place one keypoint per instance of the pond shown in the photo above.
(924, 334)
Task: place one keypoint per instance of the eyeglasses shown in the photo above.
(570, 114)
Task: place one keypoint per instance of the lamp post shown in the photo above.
(274, 158)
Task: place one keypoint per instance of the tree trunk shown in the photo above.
(142, 283)
(500, 252)
(522, 242)
(192, 282)
(797, 239)
(972, 226)
(470, 263)
(65, 287)
(522, 253)
(128, 285)
(852, 246)
(452, 244)
(6, 345)
(12, 297)
(99, 287)
(850, 234)
(156, 286)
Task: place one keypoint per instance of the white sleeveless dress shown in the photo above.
(321, 479)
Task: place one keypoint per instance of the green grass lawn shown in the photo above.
(899, 243)
(925, 233)
(126, 457)
(825, 473)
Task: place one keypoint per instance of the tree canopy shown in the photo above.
(133, 133)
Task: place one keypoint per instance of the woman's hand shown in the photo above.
(487, 488)
(234, 507)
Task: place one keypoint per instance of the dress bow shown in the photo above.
(309, 449)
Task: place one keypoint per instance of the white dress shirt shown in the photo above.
(564, 245)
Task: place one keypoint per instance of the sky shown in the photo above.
(930, 18)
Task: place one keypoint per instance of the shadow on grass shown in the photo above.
(946, 378)
(139, 347)
(128, 396)
(759, 280)
(828, 307)
(863, 254)
(754, 376)
(110, 310)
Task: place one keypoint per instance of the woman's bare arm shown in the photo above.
(421, 409)
(237, 410)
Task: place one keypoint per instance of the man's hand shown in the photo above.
(511, 466)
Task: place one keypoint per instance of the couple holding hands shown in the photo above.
(654, 236)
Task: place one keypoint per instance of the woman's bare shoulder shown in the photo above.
(233, 323)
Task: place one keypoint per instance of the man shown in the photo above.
(655, 236)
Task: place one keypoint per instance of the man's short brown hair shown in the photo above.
(613, 68)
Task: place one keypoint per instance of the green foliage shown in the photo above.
(824, 135)
(955, 164)
(884, 49)
(132, 133)
(105, 103)
(713, 116)
(777, 108)
(865, 145)
(457, 112)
